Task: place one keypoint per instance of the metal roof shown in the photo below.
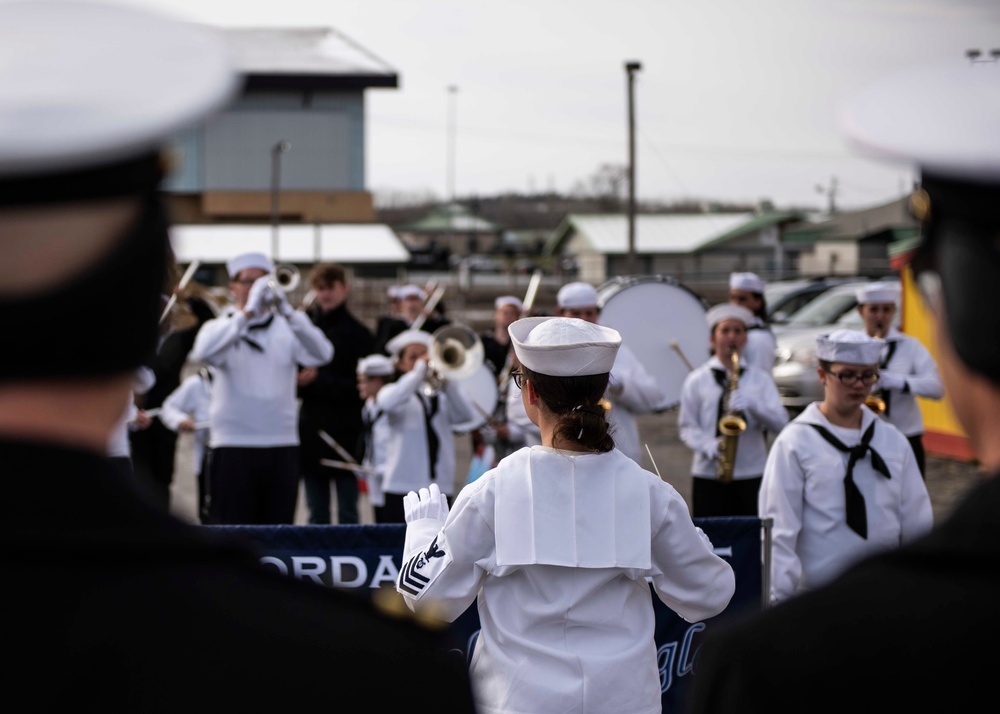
(349, 244)
(452, 218)
(662, 233)
(305, 58)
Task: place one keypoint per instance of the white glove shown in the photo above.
(710, 449)
(431, 503)
(737, 401)
(888, 380)
(281, 303)
(259, 295)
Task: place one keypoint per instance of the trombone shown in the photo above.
(456, 353)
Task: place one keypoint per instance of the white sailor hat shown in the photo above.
(849, 347)
(746, 281)
(878, 291)
(564, 346)
(375, 366)
(245, 261)
(508, 300)
(728, 311)
(393, 292)
(408, 337)
(86, 84)
(411, 291)
(576, 295)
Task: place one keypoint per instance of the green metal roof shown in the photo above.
(452, 218)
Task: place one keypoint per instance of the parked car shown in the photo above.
(794, 370)
(785, 297)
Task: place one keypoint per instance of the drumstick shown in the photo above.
(529, 295)
(486, 415)
(337, 447)
(651, 460)
(185, 279)
(348, 466)
(677, 348)
(428, 308)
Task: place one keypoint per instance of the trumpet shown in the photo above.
(456, 353)
(731, 425)
(286, 278)
(875, 402)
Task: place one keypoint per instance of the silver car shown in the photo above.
(795, 365)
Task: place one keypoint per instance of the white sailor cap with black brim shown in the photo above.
(944, 121)
(88, 84)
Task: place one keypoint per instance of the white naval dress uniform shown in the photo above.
(803, 491)
(253, 397)
(910, 359)
(556, 548)
(407, 459)
(640, 394)
(520, 424)
(191, 400)
(699, 417)
(376, 447)
(119, 445)
(761, 345)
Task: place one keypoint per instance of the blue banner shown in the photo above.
(367, 557)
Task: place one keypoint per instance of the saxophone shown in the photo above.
(731, 425)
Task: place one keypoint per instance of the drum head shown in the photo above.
(652, 313)
(481, 388)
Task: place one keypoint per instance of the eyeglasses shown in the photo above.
(518, 377)
(848, 377)
(247, 281)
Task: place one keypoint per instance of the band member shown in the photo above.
(632, 390)
(922, 605)
(557, 543)
(108, 599)
(500, 436)
(134, 419)
(256, 348)
(186, 410)
(496, 343)
(706, 396)
(747, 290)
(413, 306)
(840, 483)
(906, 368)
(419, 416)
(374, 372)
(329, 398)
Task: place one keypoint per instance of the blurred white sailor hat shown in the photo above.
(375, 366)
(508, 300)
(408, 337)
(849, 347)
(728, 311)
(576, 295)
(245, 261)
(86, 83)
(878, 291)
(411, 291)
(746, 281)
(564, 346)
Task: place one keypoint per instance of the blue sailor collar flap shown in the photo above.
(586, 511)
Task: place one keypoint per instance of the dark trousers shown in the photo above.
(917, 442)
(711, 498)
(317, 489)
(153, 451)
(253, 486)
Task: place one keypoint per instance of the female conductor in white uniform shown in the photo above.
(556, 544)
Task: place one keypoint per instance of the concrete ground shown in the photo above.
(947, 480)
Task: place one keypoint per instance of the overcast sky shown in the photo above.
(736, 99)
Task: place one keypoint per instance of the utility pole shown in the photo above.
(276, 151)
(831, 194)
(630, 69)
(452, 120)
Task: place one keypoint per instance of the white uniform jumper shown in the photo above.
(701, 394)
(761, 346)
(803, 491)
(407, 413)
(191, 400)
(377, 436)
(556, 548)
(253, 398)
(906, 356)
(640, 394)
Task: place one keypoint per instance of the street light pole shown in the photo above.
(452, 120)
(630, 69)
(276, 151)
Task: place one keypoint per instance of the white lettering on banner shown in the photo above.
(667, 655)
(386, 572)
(344, 571)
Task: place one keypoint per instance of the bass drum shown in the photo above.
(659, 320)
(481, 388)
